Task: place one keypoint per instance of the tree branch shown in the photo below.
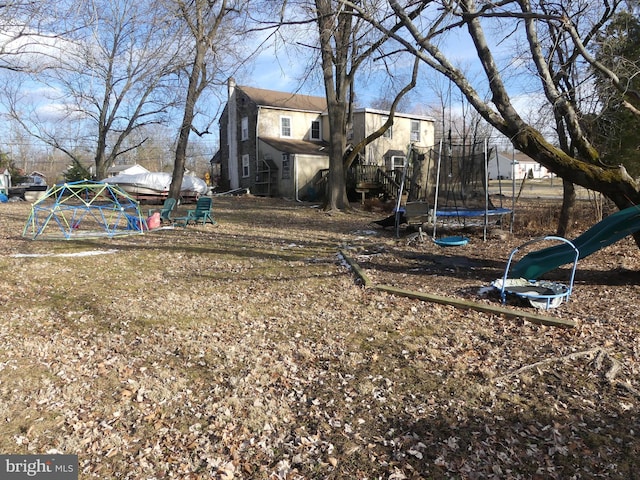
(350, 157)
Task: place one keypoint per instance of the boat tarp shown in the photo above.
(159, 181)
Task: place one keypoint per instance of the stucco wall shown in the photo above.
(366, 122)
(306, 167)
(269, 123)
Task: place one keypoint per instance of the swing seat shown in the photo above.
(457, 241)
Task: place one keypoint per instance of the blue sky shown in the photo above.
(283, 69)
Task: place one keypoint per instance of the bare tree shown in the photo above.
(620, 71)
(567, 75)
(346, 43)
(426, 22)
(26, 26)
(213, 27)
(110, 78)
(345, 48)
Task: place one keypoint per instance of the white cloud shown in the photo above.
(30, 50)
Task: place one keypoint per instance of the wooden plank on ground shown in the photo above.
(459, 303)
(356, 268)
(480, 307)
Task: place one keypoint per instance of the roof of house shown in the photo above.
(217, 157)
(126, 168)
(395, 153)
(307, 103)
(301, 147)
(289, 101)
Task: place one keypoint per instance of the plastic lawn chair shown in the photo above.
(166, 210)
(201, 214)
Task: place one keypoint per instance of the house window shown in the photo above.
(285, 127)
(397, 162)
(315, 130)
(245, 166)
(415, 130)
(388, 133)
(244, 128)
(286, 166)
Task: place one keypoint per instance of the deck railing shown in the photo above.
(377, 178)
(373, 178)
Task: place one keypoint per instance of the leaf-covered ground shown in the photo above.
(251, 350)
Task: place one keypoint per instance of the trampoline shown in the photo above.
(454, 188)
(462, 174)
(462, 212)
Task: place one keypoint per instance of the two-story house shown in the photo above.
(275, 143)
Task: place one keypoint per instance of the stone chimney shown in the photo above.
(232, 134)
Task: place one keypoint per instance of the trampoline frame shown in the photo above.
(536, 291)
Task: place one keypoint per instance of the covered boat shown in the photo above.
(154, 186)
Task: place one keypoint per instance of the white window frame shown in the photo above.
(319, 130)
(245, 166)
(285, 130)
(415, 130)
(286, 166)
(244, 128)
(394, 161)
(388, 133)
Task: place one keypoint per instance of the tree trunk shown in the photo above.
(337, 192)
(101, 163)
(419, 178)
(336, 84)
(615, 183)
(193, 92)
(568, 204)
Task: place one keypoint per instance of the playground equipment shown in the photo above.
(533, 265)
(539, 293)
(457, 191)
(606, 232)
(462, 186)
(452, 241)
(84, 209)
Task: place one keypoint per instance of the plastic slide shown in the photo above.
(613, 228)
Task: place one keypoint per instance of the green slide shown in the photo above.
(613, 228)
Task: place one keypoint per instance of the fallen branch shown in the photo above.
(599, 354)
